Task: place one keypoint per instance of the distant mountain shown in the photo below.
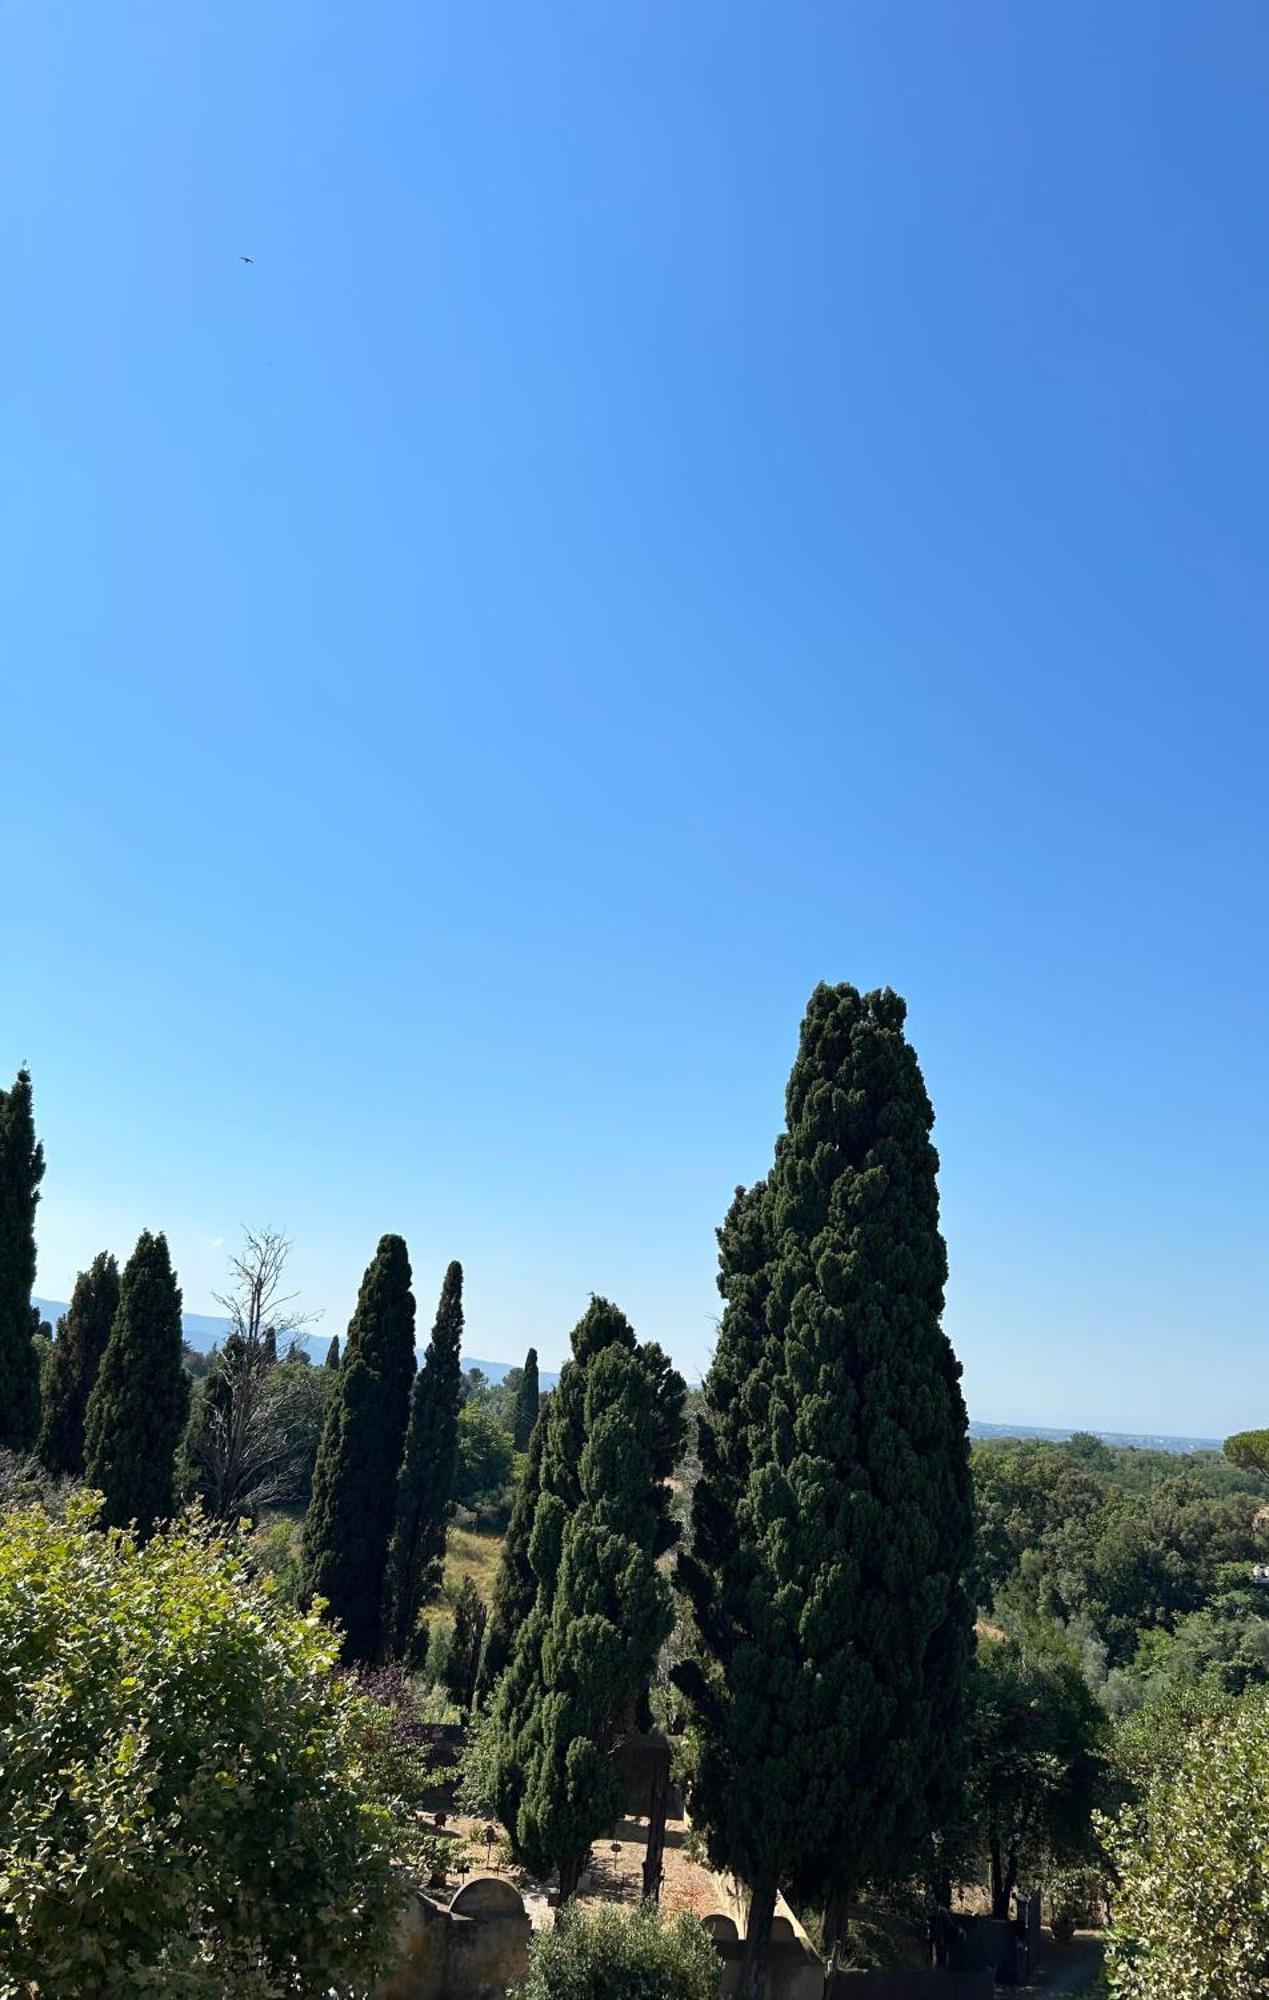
(204, 1331)
(1131, 1439)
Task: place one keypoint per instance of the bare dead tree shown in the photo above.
(259, 1311)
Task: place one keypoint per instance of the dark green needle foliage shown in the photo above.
(425, 1488)
(515, 1586)
(528, 1397)
(73, 1364)
(349, 1520)
(332, 1353)
(21, 1171)
(138, 1405)
(833, 1520)
(462, 1664)
(582, 1660)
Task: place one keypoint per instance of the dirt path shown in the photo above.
(1069, 1968)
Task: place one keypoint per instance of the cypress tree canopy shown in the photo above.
(349, 1519)
(73, 1364)
(140, 1400)
(424, 1501)
(21, 1171)
(582, 1660)
(528, 1398)
(833, 1519)
(332, 1353)
(515, 1585)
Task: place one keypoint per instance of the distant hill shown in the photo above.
(204, 1331)
(1128, 1438)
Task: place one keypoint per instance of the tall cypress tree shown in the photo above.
(332, 1353)
(833, 1519)
(349, 1519)
(21, 1171)
(528, 1399)
(73, 1364)
(424, 1500)
(582, 1660)
(138, 1404)
(515, 1585)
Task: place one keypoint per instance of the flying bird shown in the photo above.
(246, 260)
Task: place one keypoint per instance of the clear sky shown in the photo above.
(687, 501)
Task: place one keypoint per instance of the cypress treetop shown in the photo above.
(139, 1402)
(332, 1353)
(72, 1368)
(21, 1171)
(528, 1399)
(349, 1519)
(424, 1497)
(833, 1519)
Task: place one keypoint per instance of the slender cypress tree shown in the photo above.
(424, 1499)
(349, 1519)
(139, 1403)
(72, 1368)
(833, 1519)
(515, 1585)
(462, 1664)
(21, 1171)
(332, 1353)
(528, 1399)
(582, 1660)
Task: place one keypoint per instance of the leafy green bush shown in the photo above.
(1191, 1917)
(185, 1808)
(611, 1954)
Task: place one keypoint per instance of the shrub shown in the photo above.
(611, 1954)
(184, 1804)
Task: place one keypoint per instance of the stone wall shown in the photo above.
(473, 1949)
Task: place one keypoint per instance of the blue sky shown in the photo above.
(686, 501)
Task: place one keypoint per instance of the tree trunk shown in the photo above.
(999, 1894)
(657, 1804)
(836, 1922)
(570, 1875)
(753, 1965)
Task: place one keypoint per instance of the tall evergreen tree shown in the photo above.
(462, 1663)
(515, 1585)
(833, 1518)
(21, 1171)
(582, 1660)
(332, 1353)
(349, 1520)
(528, 1399)
(140, 1400)
(424, 1499)
(72, 1368)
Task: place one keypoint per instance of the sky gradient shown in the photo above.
(686, 502)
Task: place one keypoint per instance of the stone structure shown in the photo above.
(476, 1949)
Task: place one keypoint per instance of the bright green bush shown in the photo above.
(1191, 1906)
(611, 1954)
(185, 1807)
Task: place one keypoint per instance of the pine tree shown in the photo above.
(140, 1400)
(462, 1664)
(349, 1519)
(425, 1488)
(515, 1585)
(21, 1171)
(72, 1368)
(528, 1399)
(833, 1518)
(583, 1658)
(332, 1353)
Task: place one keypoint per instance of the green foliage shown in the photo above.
(139, 1403)
(1249, 1450)
(72, 1369)
(462, 1665)
(515, 1587)
(195, 1822)
(350, 1516)
(832, 1518)
(332, 1353)
(582, 1660)
(484, 1461)
(1036, 1769)
(424, 1495)
(528, 1402)
(1191, 1917)
(612, 1954)
(21, 1171)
